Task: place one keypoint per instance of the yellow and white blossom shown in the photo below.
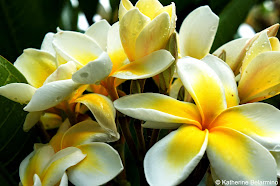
(258, 62)
(235, 138)
(76, 149)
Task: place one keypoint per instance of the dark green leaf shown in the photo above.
(24, 23)
(231, 17)
(15, 144)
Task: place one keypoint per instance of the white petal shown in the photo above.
(226, 76)
(197, 32)
(31, 119)
(98, 31)
(146, 67)
(18, 92)
(175, 88)
(51, 94)
(47, 44)
(158, 108)
(171, 160)
(94, 71)
(36, 180)
(63, 72)
(75, 46)
(235, 156)
(64, 180)
(101, 165)
(276, 156)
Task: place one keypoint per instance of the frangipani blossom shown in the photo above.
(258, 62)
(144, 32)
(76, 149)
(235, 139)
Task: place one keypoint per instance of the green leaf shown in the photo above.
(231, 17)
(24, 23)
(15, 144)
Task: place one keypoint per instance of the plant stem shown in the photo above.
(140, 138)
(154, 137)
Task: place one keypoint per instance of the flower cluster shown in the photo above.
(75, 88)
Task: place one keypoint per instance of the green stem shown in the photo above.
(140, 138)
(154, 137)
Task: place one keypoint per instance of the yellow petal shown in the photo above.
(125, 5)
(154, 36)
(115, 49)
(274, 41)
(59, 163)
(36, 66)
(235, 156)
(146, 67)
(227, 78)
(171, 10)
(101, 165)
(56, 139)
(131, 25)
(172, 159)
(84, 132)
(35, 163)
(260, 45)
(158, 108)
(103, 110)
(75, 46)
(51, 121)
(204, 86)
(148, 7)
(261, 78)
(260, 121)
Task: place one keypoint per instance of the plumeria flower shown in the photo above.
(45, 167)
(37, 66)
(258, 62)
(73, 149)
(235, 138)
(196, 37)
(144, 32)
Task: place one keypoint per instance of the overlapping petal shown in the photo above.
(260, 45)
(101, 164)
(154, 36)
(31, 119)
(197, 32)
(74, 46)
(204, 86)
(235, 156)
(257, 120)
(149, 7)
(64, 71)
(125, 6)
(84, 132)
(18, 92)
(158, 108)
(172, 159)
(98, 31)
(35, 163)
(94, 71)
(232, 52)
(227, 78)
(147, 66)
(131, 25)
(115, 49)
(47, 44)
(103, 110)
(36, 66)
(51, 94)
(59, 163)
(260, 79)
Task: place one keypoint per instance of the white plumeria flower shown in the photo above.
(76, 149)
(235, 138)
